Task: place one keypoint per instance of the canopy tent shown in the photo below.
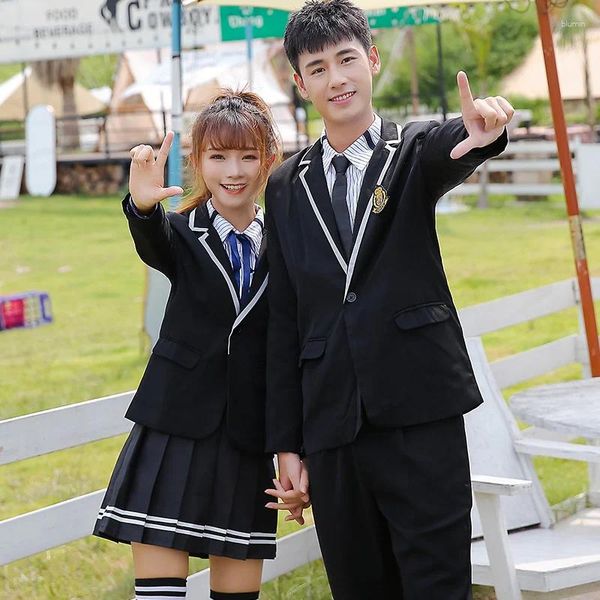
(528, 80)
(141, 97)
(543, 11)
(12, 92)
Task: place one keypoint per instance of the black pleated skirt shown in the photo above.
(205, 497)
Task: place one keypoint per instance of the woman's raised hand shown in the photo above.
(147, 175)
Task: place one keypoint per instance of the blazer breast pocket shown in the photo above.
(422, 315)
(184, 356)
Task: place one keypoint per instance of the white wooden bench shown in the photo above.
(538, 555)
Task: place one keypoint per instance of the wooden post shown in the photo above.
(568, 178)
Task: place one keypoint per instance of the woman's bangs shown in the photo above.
(229, 132)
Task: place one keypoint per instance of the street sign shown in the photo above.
(400, 17)
(55, 29)
(266, 22)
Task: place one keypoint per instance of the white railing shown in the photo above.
(520, 157)
(68, 426)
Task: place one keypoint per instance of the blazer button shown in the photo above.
(351, 297)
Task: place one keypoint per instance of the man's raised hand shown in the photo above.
(484, 119)
(147, 175)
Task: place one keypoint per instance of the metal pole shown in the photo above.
(25, 98)
(174, 176)
(249, 54)
(441, 80)
(564, 154)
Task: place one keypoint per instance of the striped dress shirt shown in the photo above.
(359, 154)
(254, 232)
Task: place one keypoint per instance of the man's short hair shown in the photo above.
(322, 23)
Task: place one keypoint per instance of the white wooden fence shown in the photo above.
(68, 426)
(521, 157)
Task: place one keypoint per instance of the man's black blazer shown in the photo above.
(210, 356)
(380, 328)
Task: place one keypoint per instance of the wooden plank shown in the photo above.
(536, 447)
(515, 165)
(502, 564)
(517, 308)
(515, 189)
(63, 427)
(48, 527)
(537, 361)
(502, 486)
(550, 559)
(532, 147)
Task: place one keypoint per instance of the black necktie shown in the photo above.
(340, 205)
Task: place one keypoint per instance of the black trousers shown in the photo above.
(392, 511)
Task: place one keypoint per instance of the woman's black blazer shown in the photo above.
(209, 361)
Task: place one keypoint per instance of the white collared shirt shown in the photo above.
(359, 154)
(254, 232)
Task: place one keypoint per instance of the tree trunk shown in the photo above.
(591, 108)
(414, 78)
(70, 128)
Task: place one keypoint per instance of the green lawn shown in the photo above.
(79, 250)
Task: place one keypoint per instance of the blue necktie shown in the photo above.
(241, 275)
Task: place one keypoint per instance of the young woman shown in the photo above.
(190, 479)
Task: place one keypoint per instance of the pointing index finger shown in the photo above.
(163, 153)
(464, 90)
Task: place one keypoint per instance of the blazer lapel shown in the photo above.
(260, 279)
(313, 184)
(208, 237)
(373, 171)
(261, 268)
(378, 170)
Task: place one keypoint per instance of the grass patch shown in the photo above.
(79, 250)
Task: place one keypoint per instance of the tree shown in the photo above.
(512, 36)
(62, 73)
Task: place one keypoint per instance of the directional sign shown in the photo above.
(400, 17)
(266, 22)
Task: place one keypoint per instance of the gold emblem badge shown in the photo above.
(380, 199)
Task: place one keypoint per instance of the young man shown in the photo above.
(368, 374)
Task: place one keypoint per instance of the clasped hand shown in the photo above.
(291, 489)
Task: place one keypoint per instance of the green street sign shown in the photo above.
(400, 17)
(269, 23)
(266, 22)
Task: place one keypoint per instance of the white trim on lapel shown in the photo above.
(365, 220)
(247, 309)
(339, 257)
(192, 220)
(202, 240)
(234, 297)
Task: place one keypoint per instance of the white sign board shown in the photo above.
(587, 158)
(40, 151)
(34, 30)
(11, 175)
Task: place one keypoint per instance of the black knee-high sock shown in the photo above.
(160, 588)
(234, 596)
